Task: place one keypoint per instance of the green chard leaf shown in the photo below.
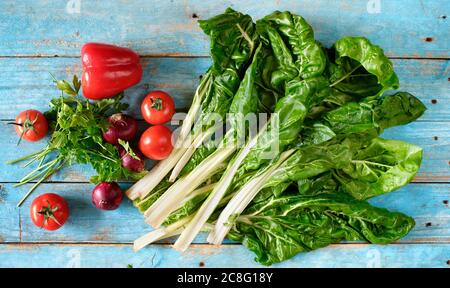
(360, 68)
(281, 227)
(378, 167)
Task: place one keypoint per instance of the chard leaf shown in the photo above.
(281, 227)
(379, 167)
(311, 161)
(361, 68)
(293, 43)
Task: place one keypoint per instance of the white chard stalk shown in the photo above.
(189, 151)
(164, 233)
(159, 234)
(208, 207)
(167, 203)
(145, 185)
(241, 200)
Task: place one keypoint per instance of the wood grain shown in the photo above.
(121, 256)
(175, 51)
(424, 202)
(435, 165)
(26, 82)
(154, 27)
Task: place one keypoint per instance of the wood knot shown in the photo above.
(429, 39)
(429, 224)
(201, 264)
(433, 101)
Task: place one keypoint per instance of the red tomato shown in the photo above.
(49, 211)
(157, 108)
(156, 142)
(31, 125)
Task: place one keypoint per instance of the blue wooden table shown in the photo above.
(42, 37)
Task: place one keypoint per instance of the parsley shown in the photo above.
(76, 126)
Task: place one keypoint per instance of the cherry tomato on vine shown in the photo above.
(156, 142)
(157, 107)
(31, 125)
(49, 211)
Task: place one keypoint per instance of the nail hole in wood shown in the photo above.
(448, 262)
(201, 264)
(444, 16)
(194, 15)
(435, 138)
(448, 79)
(433, 101)
(200, 77)
(429, 224)
(445, 202)
(429, 39)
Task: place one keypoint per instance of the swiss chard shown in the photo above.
(281, 227)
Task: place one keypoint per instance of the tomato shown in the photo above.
(157, 108)
(31, 125)
(156, 142)
(49, 211)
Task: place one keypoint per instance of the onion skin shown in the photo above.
(111, 135)
(107, 196)
(130, 163)
(122, 127)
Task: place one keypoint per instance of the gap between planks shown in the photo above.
(197, 245)
(416, 180)
(185, 55)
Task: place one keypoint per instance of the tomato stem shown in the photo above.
(48, 212)
(27, 125)
(157, 104)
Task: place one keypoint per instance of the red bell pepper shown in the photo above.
(108, 70)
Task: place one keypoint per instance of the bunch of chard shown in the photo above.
(327, 111)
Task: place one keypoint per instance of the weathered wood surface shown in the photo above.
(121, 256)
(433, 137)
(415, 33)
(404, 28)
(427, 203)
(29, 80)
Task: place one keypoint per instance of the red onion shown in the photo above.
(107, 196)
(131, 163)
(122, 127)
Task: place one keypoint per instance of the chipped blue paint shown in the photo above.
(415, 30)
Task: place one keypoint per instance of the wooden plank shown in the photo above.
(29, 80)
(435, 165)
(121, 256)
(10, 225)
(425, 202)
(169, 28)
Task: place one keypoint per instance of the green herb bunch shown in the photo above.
(76, 127)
